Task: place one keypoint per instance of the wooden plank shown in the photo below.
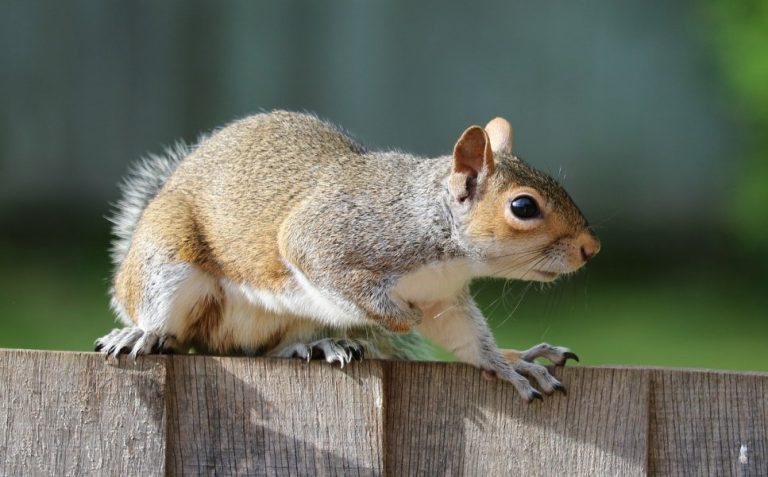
(700, 421)
(444, 419)
(75, 414)
(243, 416)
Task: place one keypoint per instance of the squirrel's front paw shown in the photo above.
(540, 374)
(341, 350)
(521, 373)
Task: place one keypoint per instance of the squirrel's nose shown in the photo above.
(589, 246)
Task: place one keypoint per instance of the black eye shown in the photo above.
(524, 207)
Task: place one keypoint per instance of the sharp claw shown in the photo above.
(535, 395)
(329, 350)
(570, 355)
(561, 388)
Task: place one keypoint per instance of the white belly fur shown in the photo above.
(436, 282)
(252, 317)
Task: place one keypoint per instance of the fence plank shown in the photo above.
(446, 420)
(700, 420)
(75, 414)
(241, 416)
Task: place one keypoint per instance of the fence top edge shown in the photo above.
(623, 368)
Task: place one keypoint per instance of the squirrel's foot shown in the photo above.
(135, 341)
(341, 350)
(521, 374)
(525, 371)
(557, 354)
(540, 374)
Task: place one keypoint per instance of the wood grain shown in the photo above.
(444, 419)
(241, 416)
(700, 420)
(75, 414)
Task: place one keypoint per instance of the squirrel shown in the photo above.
(279, 235)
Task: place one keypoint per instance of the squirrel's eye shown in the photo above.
(524, 207)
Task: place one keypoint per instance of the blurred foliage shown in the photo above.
(740, 37)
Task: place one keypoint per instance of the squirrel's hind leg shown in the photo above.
(135, 341)
(168, 304)
(332, 350)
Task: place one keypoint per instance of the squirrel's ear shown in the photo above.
(472, 162)
(500, 132)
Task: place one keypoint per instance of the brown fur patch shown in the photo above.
(205, 318)
(127, 284)
(511, 355)
(488, 218)
(273, 272)
(195, 249)
(396, 326)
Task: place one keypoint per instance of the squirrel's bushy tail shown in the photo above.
(144, 180)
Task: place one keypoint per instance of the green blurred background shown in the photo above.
(653, 113)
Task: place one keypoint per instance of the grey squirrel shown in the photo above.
(279, 235)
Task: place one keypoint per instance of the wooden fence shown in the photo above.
(75, 414)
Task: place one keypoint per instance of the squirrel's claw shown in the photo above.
(353, 348)
(559, 387)
(332, 350)
(520, 370)
(566, 356)
(557, 354)
(534, 394)
(135, 342)
(539, 375)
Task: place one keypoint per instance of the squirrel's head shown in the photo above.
(521, 221)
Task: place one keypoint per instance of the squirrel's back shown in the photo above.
(273, 145)
(261, 164)
(257, 153)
